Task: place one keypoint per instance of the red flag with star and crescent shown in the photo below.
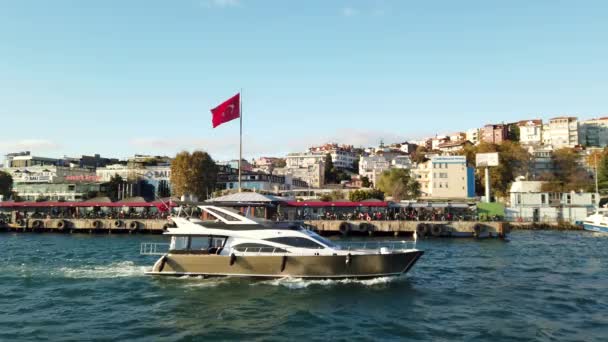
(227, 111)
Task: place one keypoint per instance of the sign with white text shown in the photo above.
(486, 159)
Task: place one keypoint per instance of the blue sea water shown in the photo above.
(541, 286)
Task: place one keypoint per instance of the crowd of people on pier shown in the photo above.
(403, 214)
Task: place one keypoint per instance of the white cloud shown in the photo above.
(255, 145)
(349, 11)
(222, 3)
(28, 145)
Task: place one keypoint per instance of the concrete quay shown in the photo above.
(407, 228)
(324, 227)
(107, 226)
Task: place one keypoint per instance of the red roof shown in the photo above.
(318, 204)
(79, 204)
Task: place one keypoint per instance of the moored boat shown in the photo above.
(597, 222)
(231, 244)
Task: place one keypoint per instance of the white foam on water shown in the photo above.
(300, 283)
(200, 282)
(114, 270)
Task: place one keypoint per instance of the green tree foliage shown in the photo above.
(329, 170)
(362, 195)
(6, 184)
(365, 182)
(513, 133)
(281, 162)
(602, 172)
(193, 173)
(419, 156)
(332, 174)
(568, 174)
(399, 184)
(514, 161)
(112, 187)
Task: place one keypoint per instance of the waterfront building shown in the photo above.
(26, 159)
(234, 164)
(342, 156)
(562, 132)
(453, 146)
(594, 132)
(405, 147)
(457, 136)
(541, 160)
(473, 135)
(76, 191)
(156, 175)
(372, 167)
(527, 202)
(51, 174)
(446, 177)
(259, 182)
(531, 132)
(401, 162)
(312, 173)
(438, 140)
(295, 160)
(494, 134)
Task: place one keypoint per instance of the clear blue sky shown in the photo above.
(119, 77)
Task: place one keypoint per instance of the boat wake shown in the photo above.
(115, 270)
(300, 283)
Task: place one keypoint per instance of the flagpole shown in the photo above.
(240, 134)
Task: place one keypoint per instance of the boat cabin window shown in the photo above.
(296, 242)
(196, 243)
(199, 243)
(222, 215)
(179, 243)
(258, 247)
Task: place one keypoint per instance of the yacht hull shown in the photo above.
(595, 228)
(280, 266)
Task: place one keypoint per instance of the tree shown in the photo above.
(163, 189)
(602, 172)
(568, 174)
(6, 184)
(399, 184)
(193, 173)
(362, 195)
(365, 182)
(281, 162)
(113, 186)
(146, 190)
(419, 156)
(514, 160)
(329, 170)
(336, 195)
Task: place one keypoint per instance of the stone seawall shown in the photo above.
(89, 225)
(423, 228)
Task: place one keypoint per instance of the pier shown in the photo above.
(324, 227)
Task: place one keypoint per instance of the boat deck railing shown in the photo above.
(391, 246)
(369, 247)
(153, 248)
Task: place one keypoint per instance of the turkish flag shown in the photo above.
(227, 111)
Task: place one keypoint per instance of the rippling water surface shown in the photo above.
(545, 286)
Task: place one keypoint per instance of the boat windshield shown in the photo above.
(324, 241)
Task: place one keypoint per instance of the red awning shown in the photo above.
(81, 204)
(321, 204)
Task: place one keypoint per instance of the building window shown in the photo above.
(543, 199)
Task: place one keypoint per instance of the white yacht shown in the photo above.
(597, 222)
(234, 245)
